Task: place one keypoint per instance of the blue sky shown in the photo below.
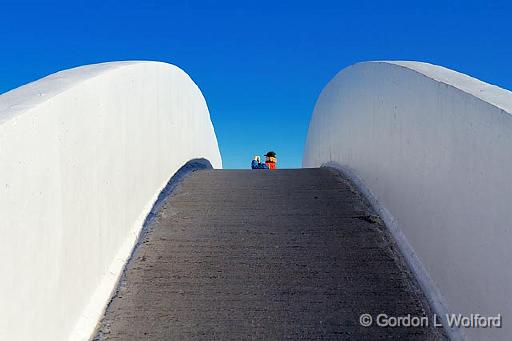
(260, 64)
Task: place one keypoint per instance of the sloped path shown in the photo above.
(285, 254)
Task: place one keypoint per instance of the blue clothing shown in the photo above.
(258, 165)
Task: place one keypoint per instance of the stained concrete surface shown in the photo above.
(264, 255)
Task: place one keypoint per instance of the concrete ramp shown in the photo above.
(286, 254)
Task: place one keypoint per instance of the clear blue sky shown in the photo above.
(260, 64)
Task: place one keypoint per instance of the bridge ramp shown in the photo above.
(285, 254)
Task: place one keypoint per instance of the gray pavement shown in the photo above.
(264, 255)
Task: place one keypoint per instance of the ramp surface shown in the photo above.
(285, 254)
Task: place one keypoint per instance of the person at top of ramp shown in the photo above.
(257, 164)
(271, 160)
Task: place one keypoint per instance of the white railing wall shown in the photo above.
(84, 154)
(434, 147)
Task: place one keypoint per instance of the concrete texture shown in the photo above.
(434, 147)
(84, 154)
(286, 254)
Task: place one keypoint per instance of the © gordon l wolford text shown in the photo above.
(452, 321)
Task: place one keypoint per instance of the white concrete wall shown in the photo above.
(435, 148)
(83, 155)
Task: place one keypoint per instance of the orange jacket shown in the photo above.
(271, 165)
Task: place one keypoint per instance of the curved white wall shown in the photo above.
(435, 148)
(83, 155)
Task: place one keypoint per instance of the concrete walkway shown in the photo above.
(286, 254)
